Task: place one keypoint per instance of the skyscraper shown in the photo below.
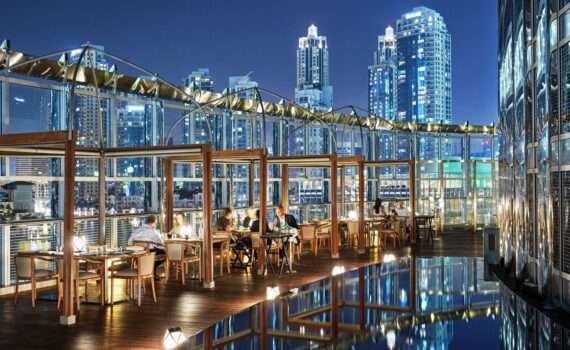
(243, 85)
(200, 79)
(424, 67)
(313, 89)
(382, 78)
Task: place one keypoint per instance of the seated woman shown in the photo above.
(377, 205)
(180, 228)
(225, 222)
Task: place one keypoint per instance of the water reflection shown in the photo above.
(409, 303)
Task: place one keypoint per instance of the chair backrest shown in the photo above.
(23, 266)
(324, 226)
(255, 240)
(308, 231)
(353, 227)
(144, 244)
(146, 264)
(174, 251)
(134, 248)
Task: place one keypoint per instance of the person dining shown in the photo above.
(254, 224)
(249, 218)
(377, 206)
(225, 222)
(180, 228)
(283, 220)
(149, 233)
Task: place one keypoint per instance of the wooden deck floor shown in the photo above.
(124, 326)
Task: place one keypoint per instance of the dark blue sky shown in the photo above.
(235, 37)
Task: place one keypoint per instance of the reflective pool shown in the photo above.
(407, 303)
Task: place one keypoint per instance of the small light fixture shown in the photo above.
(172, 338)
(79, 243)
(272, 292)
(352, 215)
(388, 258)
(338, 270)
(391, 339)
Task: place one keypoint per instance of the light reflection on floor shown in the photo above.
(408, 303)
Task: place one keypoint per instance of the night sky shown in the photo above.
(233, 37)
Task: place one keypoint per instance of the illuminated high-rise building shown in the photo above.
(382, 78)
(313, 89)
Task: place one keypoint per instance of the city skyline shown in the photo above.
(270, 52)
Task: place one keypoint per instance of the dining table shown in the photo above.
(105, 257)
(284, 240)
(223, 240)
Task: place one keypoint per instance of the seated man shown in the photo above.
(286, 222)
(149, 233)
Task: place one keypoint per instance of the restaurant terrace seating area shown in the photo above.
(219, 195)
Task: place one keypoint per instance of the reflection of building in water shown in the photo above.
(525, 327)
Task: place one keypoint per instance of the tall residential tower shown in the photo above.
(313, 89)
(382, 78)
(424, 67)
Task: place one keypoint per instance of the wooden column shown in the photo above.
(262, 211)
(361, 178)
(334, 212)
(67, 316)
(169, 194)
(412, 187)
(102, 198)
(207, 245)
(251, 185)
(285, 186)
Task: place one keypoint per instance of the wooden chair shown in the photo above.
(308, 234)
(176, 257)
(323, 233)
(143, 271)
(352, 233)
(144, 244)
(224, 251)
(26, 271)
(373, 233)
(81, 276)
(393, 232)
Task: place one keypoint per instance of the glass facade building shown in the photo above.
(382, 78)
(313, 89)
(455, 167)
(424, 67)
(534, 199)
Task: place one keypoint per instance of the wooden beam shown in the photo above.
(262, 210)
(169, 194)
(285, 186)
(413, 281)
(361, 178)
(334, 212)
(207, 248)
(34, 138)
(67, 316)
(263, 324)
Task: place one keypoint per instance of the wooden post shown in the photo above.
(262, 211)
(285, 186)
(334, 212)
(67, 316)
(169, 194)
(102, 198)
(361, 175)
(251, 185)
(207, 245)
(412, 187)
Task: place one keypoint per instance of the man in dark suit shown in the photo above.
(284, 220)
